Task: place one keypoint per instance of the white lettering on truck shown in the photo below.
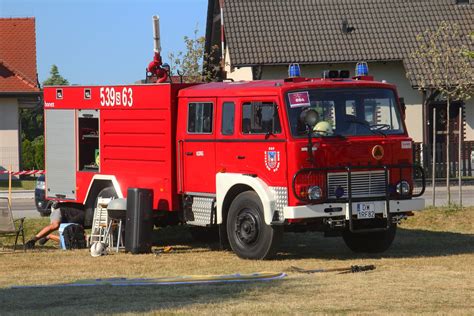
(110, 97)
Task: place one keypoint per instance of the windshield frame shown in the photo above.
(401, 131)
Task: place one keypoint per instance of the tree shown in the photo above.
(192, 64)
(55, 79)
(32, 128)
(470, 53)
(447, 71)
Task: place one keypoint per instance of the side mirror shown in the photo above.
(309, 117)
(402, 106)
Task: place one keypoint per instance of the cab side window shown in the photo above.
(200, 118)
(260, 118)
(228, 118)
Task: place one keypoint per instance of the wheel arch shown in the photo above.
(97, 184)
(229, 185)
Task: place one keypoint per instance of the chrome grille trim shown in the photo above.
(364, 184)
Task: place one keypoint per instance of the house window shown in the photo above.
(200, 118)
(462, 1)
(228, 118)
(260, 118)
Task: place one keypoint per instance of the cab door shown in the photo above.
(251, 139)
(227, 159)
(198, 149)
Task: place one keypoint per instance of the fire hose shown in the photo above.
(351, 269)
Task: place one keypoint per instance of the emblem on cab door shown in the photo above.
(377, 152)
(272, 159)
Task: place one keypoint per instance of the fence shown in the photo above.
(423, 155)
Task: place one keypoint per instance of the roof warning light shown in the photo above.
(362, 69)
(294, 70)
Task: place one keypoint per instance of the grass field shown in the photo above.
(428, 270)
(18, 185)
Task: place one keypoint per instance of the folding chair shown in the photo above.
(9, 226)
(101, 224)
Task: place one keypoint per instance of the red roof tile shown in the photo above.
(18, 55)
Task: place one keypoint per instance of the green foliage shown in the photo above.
(55, 79)
(470, 53)
(32, 124)
(27, 154)
(38, 148)
(193, 63)
(32, 157)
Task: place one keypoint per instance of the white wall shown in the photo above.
(238, 74)
(9, 135)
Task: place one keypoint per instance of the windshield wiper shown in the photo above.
(268, 134)
(364, 123)
(329, 136)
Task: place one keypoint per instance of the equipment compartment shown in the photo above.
(88, 140)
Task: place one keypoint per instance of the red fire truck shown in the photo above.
(251, 158)
(246, 159)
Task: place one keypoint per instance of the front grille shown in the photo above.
(364, 184)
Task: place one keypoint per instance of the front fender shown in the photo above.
(268, 195)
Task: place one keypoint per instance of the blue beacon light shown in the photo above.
(294, 70)
(362, 69)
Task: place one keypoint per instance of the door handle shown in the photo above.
(240, 157)
(188, 153)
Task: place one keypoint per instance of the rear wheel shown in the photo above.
(107, 192)
(45, 213)
(249, 236)
(370, 242)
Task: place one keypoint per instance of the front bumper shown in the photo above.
(342, 209)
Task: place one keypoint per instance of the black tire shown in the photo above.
(204, 234)
(249, 236)
(370, 242)
(45, 213)
(72, 214)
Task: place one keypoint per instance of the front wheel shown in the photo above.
(370, 242)
(249, 236)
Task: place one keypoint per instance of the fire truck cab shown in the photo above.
(250, 159)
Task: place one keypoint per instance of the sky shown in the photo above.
(105, 41)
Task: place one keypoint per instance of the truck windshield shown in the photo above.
(346, 112)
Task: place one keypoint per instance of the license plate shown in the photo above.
(365, 210)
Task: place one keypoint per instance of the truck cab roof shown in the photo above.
(273, 87)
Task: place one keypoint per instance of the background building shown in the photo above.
(259, 39)
(19, 86)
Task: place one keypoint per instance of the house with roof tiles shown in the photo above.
(19, 87)
(258, 39)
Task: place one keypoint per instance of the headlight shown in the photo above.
(314, 193)
(40, 185)
(403, 188)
